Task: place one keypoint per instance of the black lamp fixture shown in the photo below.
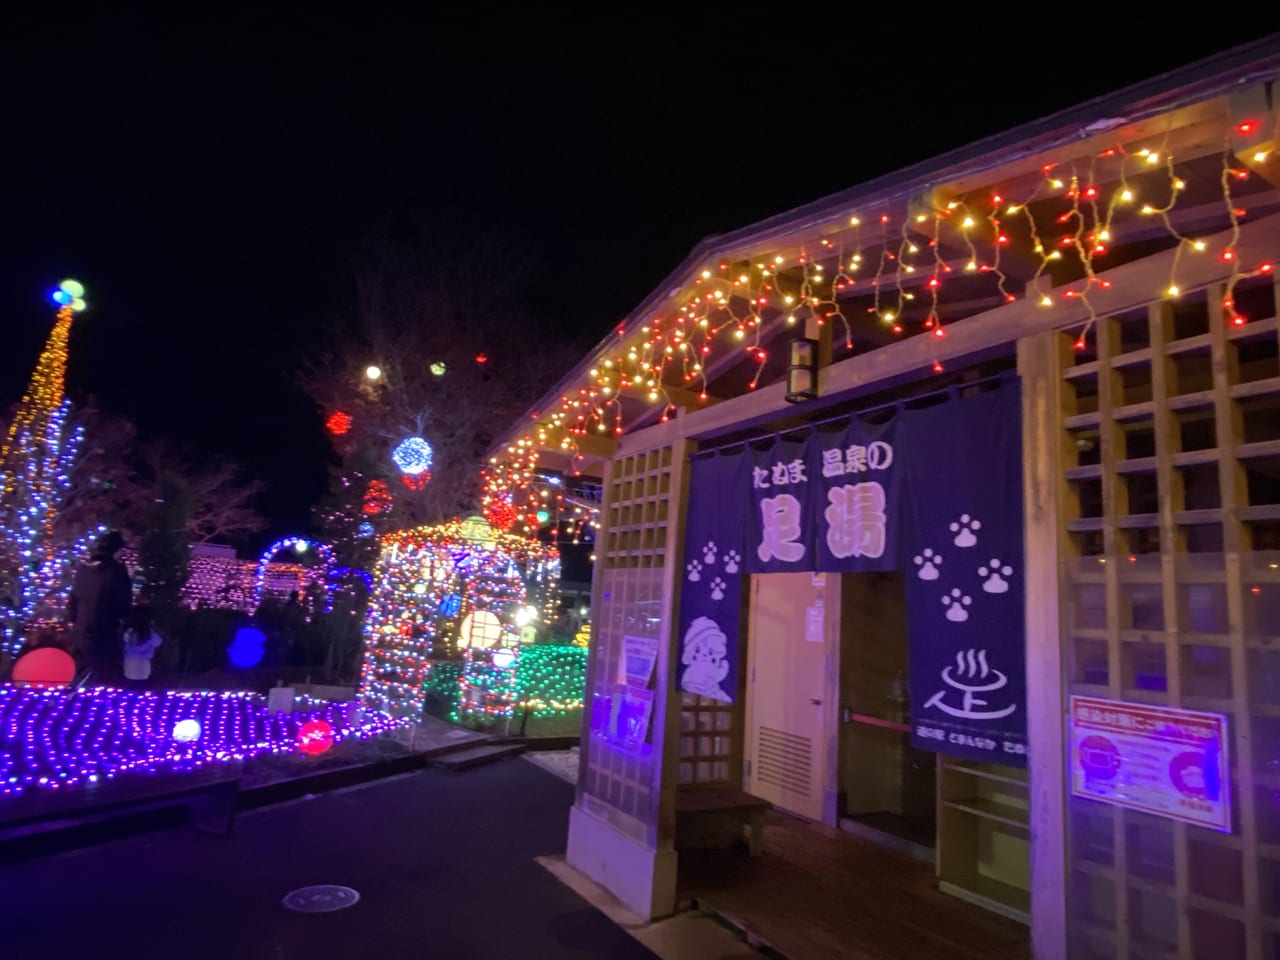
(802, 371)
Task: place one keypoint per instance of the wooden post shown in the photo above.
(593, 645)
(1111, 442)
(668, 698)
(1172, 499)
(1234, 493)
(1038, 366)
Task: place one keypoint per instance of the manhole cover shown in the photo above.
(324, 898)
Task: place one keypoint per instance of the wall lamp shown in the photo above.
(802, 371)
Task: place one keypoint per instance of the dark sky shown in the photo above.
(210, 178)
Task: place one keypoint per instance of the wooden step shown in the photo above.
(477, 756)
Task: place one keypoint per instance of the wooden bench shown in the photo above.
(703, 811)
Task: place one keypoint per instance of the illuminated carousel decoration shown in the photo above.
(456, 590)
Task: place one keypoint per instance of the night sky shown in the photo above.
(210, 179)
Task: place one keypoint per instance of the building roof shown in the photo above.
(1189, 108)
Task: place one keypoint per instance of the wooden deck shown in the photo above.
(819, 894)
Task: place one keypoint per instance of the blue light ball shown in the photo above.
(412, 456)
(247, 648)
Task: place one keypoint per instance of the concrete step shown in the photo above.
(476, 756)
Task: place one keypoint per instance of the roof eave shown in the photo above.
(1195, 82)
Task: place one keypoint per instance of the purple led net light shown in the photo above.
(53, 739)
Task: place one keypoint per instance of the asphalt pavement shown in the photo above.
(443, 862)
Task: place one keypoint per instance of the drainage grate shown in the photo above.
(324, 898)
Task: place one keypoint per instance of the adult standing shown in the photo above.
(100, 598)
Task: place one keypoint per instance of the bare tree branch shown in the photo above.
(419, 307)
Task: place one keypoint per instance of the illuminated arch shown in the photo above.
(300, 545)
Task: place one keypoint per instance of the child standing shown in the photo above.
(140, 642)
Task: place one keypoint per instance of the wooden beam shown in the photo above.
(684, 397)
(1040, 360)
(1131, 284)
(599, 447)
(1187, 134)
(1255, 131)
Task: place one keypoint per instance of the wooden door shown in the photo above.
(787, 654)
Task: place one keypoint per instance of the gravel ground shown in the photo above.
(563, 763)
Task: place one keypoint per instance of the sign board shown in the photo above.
(813, 622)
(1161, 760)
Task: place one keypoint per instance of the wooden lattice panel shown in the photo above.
(637, 506)
(710, 731)
(621, 781)
(1170, 441)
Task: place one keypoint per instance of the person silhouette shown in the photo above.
(101, 596)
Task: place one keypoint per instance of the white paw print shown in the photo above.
(717, 589)
(928, 562)
(695, 571)
(731, 561)
(955, 602)
(709, 552)
(964, 531)
(994, 574)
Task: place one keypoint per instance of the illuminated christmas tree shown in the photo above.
(35, 467)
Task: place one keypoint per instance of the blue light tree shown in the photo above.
(39, 449)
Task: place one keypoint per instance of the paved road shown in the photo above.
(443, 863)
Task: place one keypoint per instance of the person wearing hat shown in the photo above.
(101, 596)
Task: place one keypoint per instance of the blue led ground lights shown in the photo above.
(59, 739)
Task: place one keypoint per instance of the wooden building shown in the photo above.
(1113, 265)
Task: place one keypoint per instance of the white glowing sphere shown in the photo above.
(526, 615)
(480, 629)
(186, 731)
(373, 372)
(502, 659)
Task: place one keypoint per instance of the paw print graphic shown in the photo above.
(994, 574)
(717, 589)
(695, 571)
(709, 552)
(956, 602)
(964, 529)
(928, 562)
(731, 561)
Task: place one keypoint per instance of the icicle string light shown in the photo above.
(1063, 221)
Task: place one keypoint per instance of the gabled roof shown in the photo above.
(1167, 102)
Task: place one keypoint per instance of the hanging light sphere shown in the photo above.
(373, 372)
(412, 456)
(70, 293)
